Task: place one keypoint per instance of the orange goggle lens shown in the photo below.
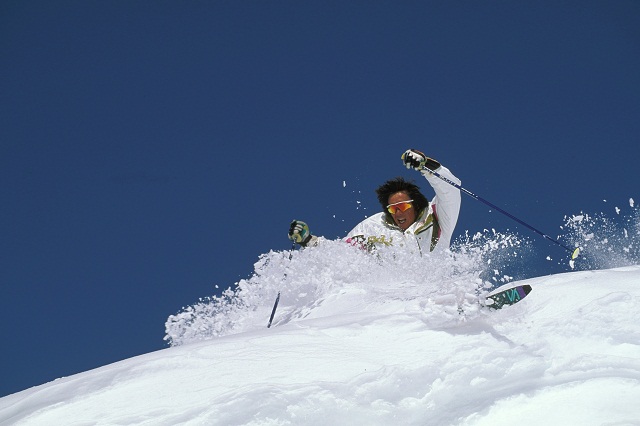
(402, 206)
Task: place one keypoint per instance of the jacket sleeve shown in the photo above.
(445, 204)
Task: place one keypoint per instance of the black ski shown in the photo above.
(507, 297)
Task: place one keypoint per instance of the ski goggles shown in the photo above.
(401, 205)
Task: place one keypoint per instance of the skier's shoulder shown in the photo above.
(372, 223)
(378, 219)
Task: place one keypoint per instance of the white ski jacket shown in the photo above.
(432, 229)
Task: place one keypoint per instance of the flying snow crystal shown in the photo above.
(631, 202)
(344, 183)
(577, 218)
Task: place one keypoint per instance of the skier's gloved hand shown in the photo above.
(299, 233)
(414, 159)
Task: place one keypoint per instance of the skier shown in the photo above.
(407, 216)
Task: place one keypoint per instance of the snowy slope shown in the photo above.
(569, 354)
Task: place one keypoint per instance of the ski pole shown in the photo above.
(574, 252)
(273, 311)
(275, 305)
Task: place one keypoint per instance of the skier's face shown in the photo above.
(403, 219)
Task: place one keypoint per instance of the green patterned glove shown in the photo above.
(299, 232)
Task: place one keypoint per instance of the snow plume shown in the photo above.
(504, 255)
(442, 288)
(606, 241)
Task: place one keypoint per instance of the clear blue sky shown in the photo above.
(152, 150)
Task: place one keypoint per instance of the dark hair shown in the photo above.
(398, 184)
